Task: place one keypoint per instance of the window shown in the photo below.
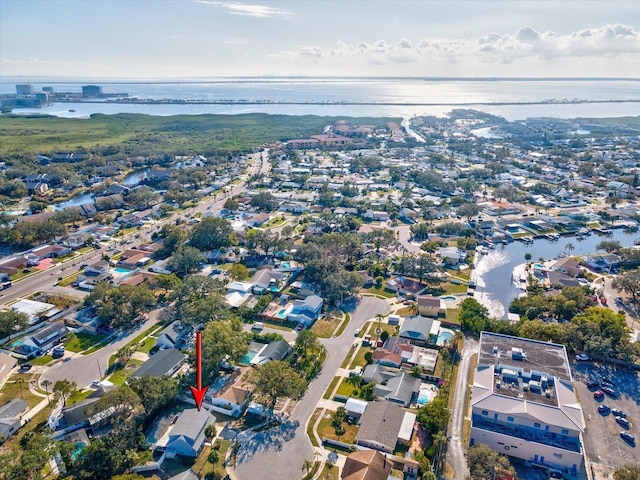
(509, 419)
(565, 431)
(536, 425)
(485, 413)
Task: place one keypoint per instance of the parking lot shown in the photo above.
(602, 440)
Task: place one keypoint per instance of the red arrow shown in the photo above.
(198, 391)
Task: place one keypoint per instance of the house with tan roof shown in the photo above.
(366, 465)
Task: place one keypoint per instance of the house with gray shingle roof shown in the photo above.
(187, 435)
(10, 417)
(383, 425)
(165, 362)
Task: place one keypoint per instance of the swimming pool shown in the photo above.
(282, 313)
(79, 446)
(448, 298)
(426, 394)
(444, 337)
(17, 343)
(121, 270)
(538, 266)
(247, 357)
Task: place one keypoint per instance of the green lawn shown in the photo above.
(331, 387)
(345, 389)
(202, 466)
(43, 360)
(359, 360)
(382, 292)
(78, 396)
(119, 376)
(17, 386)
(452, 315)
(326, 430)
(65, 282)
(83, 341)
(450, 288)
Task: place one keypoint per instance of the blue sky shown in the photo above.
(200, 38)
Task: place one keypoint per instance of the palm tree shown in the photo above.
(307, 465)
(46, 384)
(379, 318)
(569, 248)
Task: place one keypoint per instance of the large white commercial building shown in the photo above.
(524, 403)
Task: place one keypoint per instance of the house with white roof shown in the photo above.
(524, 403)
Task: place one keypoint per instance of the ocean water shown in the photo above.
(383, 97)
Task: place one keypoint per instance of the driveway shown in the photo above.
(83, 369)
(455, 448)
(257, 456)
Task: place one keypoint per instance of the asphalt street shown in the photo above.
(83, 369)
(456, 449)
(279, 452)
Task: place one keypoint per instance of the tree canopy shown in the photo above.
(212, 233)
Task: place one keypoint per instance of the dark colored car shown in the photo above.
(591, 385)
(623, 422)
(555, 474)
(618, 413)
(609, 391)
(25, 367)
(604, 409)
(628, 438)
(598, 394)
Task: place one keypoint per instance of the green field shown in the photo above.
(137, 134)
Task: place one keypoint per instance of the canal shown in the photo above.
(493, 270)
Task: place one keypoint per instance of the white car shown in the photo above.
(582, 356)
(357, 332)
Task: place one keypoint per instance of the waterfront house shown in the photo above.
(429, 306)
(420, 330)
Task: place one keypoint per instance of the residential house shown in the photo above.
(7, 366)
(132, 259)
(559, 279)
(165, 362)
(376, 216)
(400, 352)
(119, 189)
(524, 402)
(173, 335)
(11, 417)
(45, 338)
(402, 389)
(383, 425)
(567, 265)
(50, 251)
(277, 350)
(306, 311)
(187, 437)
(366, 465)
(233, 397)
(430, 306)
(265, 280)
(85, 321)
(34, 310)
(420, 330)
(257, 220)
(11, 266)
(604, 262)
(452, 255)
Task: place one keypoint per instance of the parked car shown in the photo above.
(618, 413)
(582, 356)
(555, 474)
(300, 326)
(598, 394)
(591, 385)
(357, 332)
(603, 409)
(628, 437)
(609, 391)
(25, 367)
(619, 300)
(623, 422)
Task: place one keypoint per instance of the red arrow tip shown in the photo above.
(198, 395)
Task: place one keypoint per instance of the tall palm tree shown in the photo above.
(307, 465)
(46, 384)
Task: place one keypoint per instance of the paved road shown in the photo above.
(83, 369)
(46, 280)
(279, 452)
(455, 448)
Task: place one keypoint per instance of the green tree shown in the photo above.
(382, 238)
(186, 260)
(278, 379)
(609, 246)
(62, 389)
(199, 300)
(468, 210)
(307, 465)
(473, 316)
(628, 282)
(122, 307)
(264, 201)
(630, 471)
(155, 393)
(231, 204)
(210, 432)
(211, 234)
(12, 322)
(122, 401)
(339, 416)
(483, 462)
(238, 272)
(142, 197)
(220, 341)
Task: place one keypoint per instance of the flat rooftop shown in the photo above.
(523, 368)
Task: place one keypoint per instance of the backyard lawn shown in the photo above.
(359, 360)
(17, 386)
(203, 466)
(452, 315)
(345, 389)
(119, 376)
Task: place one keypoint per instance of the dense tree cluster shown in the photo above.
(121, 307)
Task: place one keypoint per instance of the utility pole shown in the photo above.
(99, 369)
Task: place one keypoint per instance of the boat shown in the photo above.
(71, 110)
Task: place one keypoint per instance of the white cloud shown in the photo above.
(31, 61)
(259, 11)
(524, 45)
